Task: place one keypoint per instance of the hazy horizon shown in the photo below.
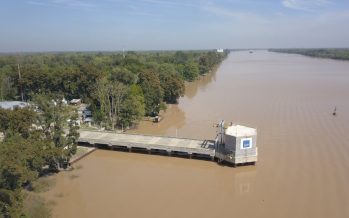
(148, 25)
(151, 50)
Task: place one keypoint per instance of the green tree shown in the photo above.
(7, 89)
(51, 122)
(153, 93)
(21, 161)
(17, 121)
(10, 203)
(173, 87)
(181, 57)
(73, 135)
(133, 107)
(123, 75)
(191, 71)
(110, 95)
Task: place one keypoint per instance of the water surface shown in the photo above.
(303, 150)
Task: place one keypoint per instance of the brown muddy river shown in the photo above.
(303, 167)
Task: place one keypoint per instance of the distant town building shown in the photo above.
(10, 105)
(220, 50)
(75, 101)
(2, 136)
(88, 120)
(87, 113)
(87, 117)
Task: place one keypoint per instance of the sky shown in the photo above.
(110, 25)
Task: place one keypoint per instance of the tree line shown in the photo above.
(339, 54)
(121, 88)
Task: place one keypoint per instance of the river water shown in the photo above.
(303, 166)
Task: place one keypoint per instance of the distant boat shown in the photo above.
(251, 52)
(335, 111)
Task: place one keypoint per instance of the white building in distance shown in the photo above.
(10, 105)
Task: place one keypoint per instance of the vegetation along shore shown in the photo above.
(333, 53)
(119, 89)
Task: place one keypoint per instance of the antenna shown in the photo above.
(20, 80)
(221, 131)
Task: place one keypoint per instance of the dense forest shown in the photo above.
(35, 143)
(120, 89)
(339, 54)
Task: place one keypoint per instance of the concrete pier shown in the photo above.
(150, 144)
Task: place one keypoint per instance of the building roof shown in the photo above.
(240, 131)
(75, 101)
(13, 104)
(2, 136)
(88, 119)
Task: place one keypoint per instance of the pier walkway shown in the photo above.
(150, 144)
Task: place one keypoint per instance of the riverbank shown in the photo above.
(173, 118)
(81, 153)
(35, 204)
(337, 54)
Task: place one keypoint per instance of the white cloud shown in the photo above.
(305, 5)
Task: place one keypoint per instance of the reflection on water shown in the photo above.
(244, 181)
(192, 88)
(174, 119)
(303, 163)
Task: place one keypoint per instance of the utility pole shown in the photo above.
(20, 81)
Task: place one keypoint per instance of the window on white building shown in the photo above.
(246, 143)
